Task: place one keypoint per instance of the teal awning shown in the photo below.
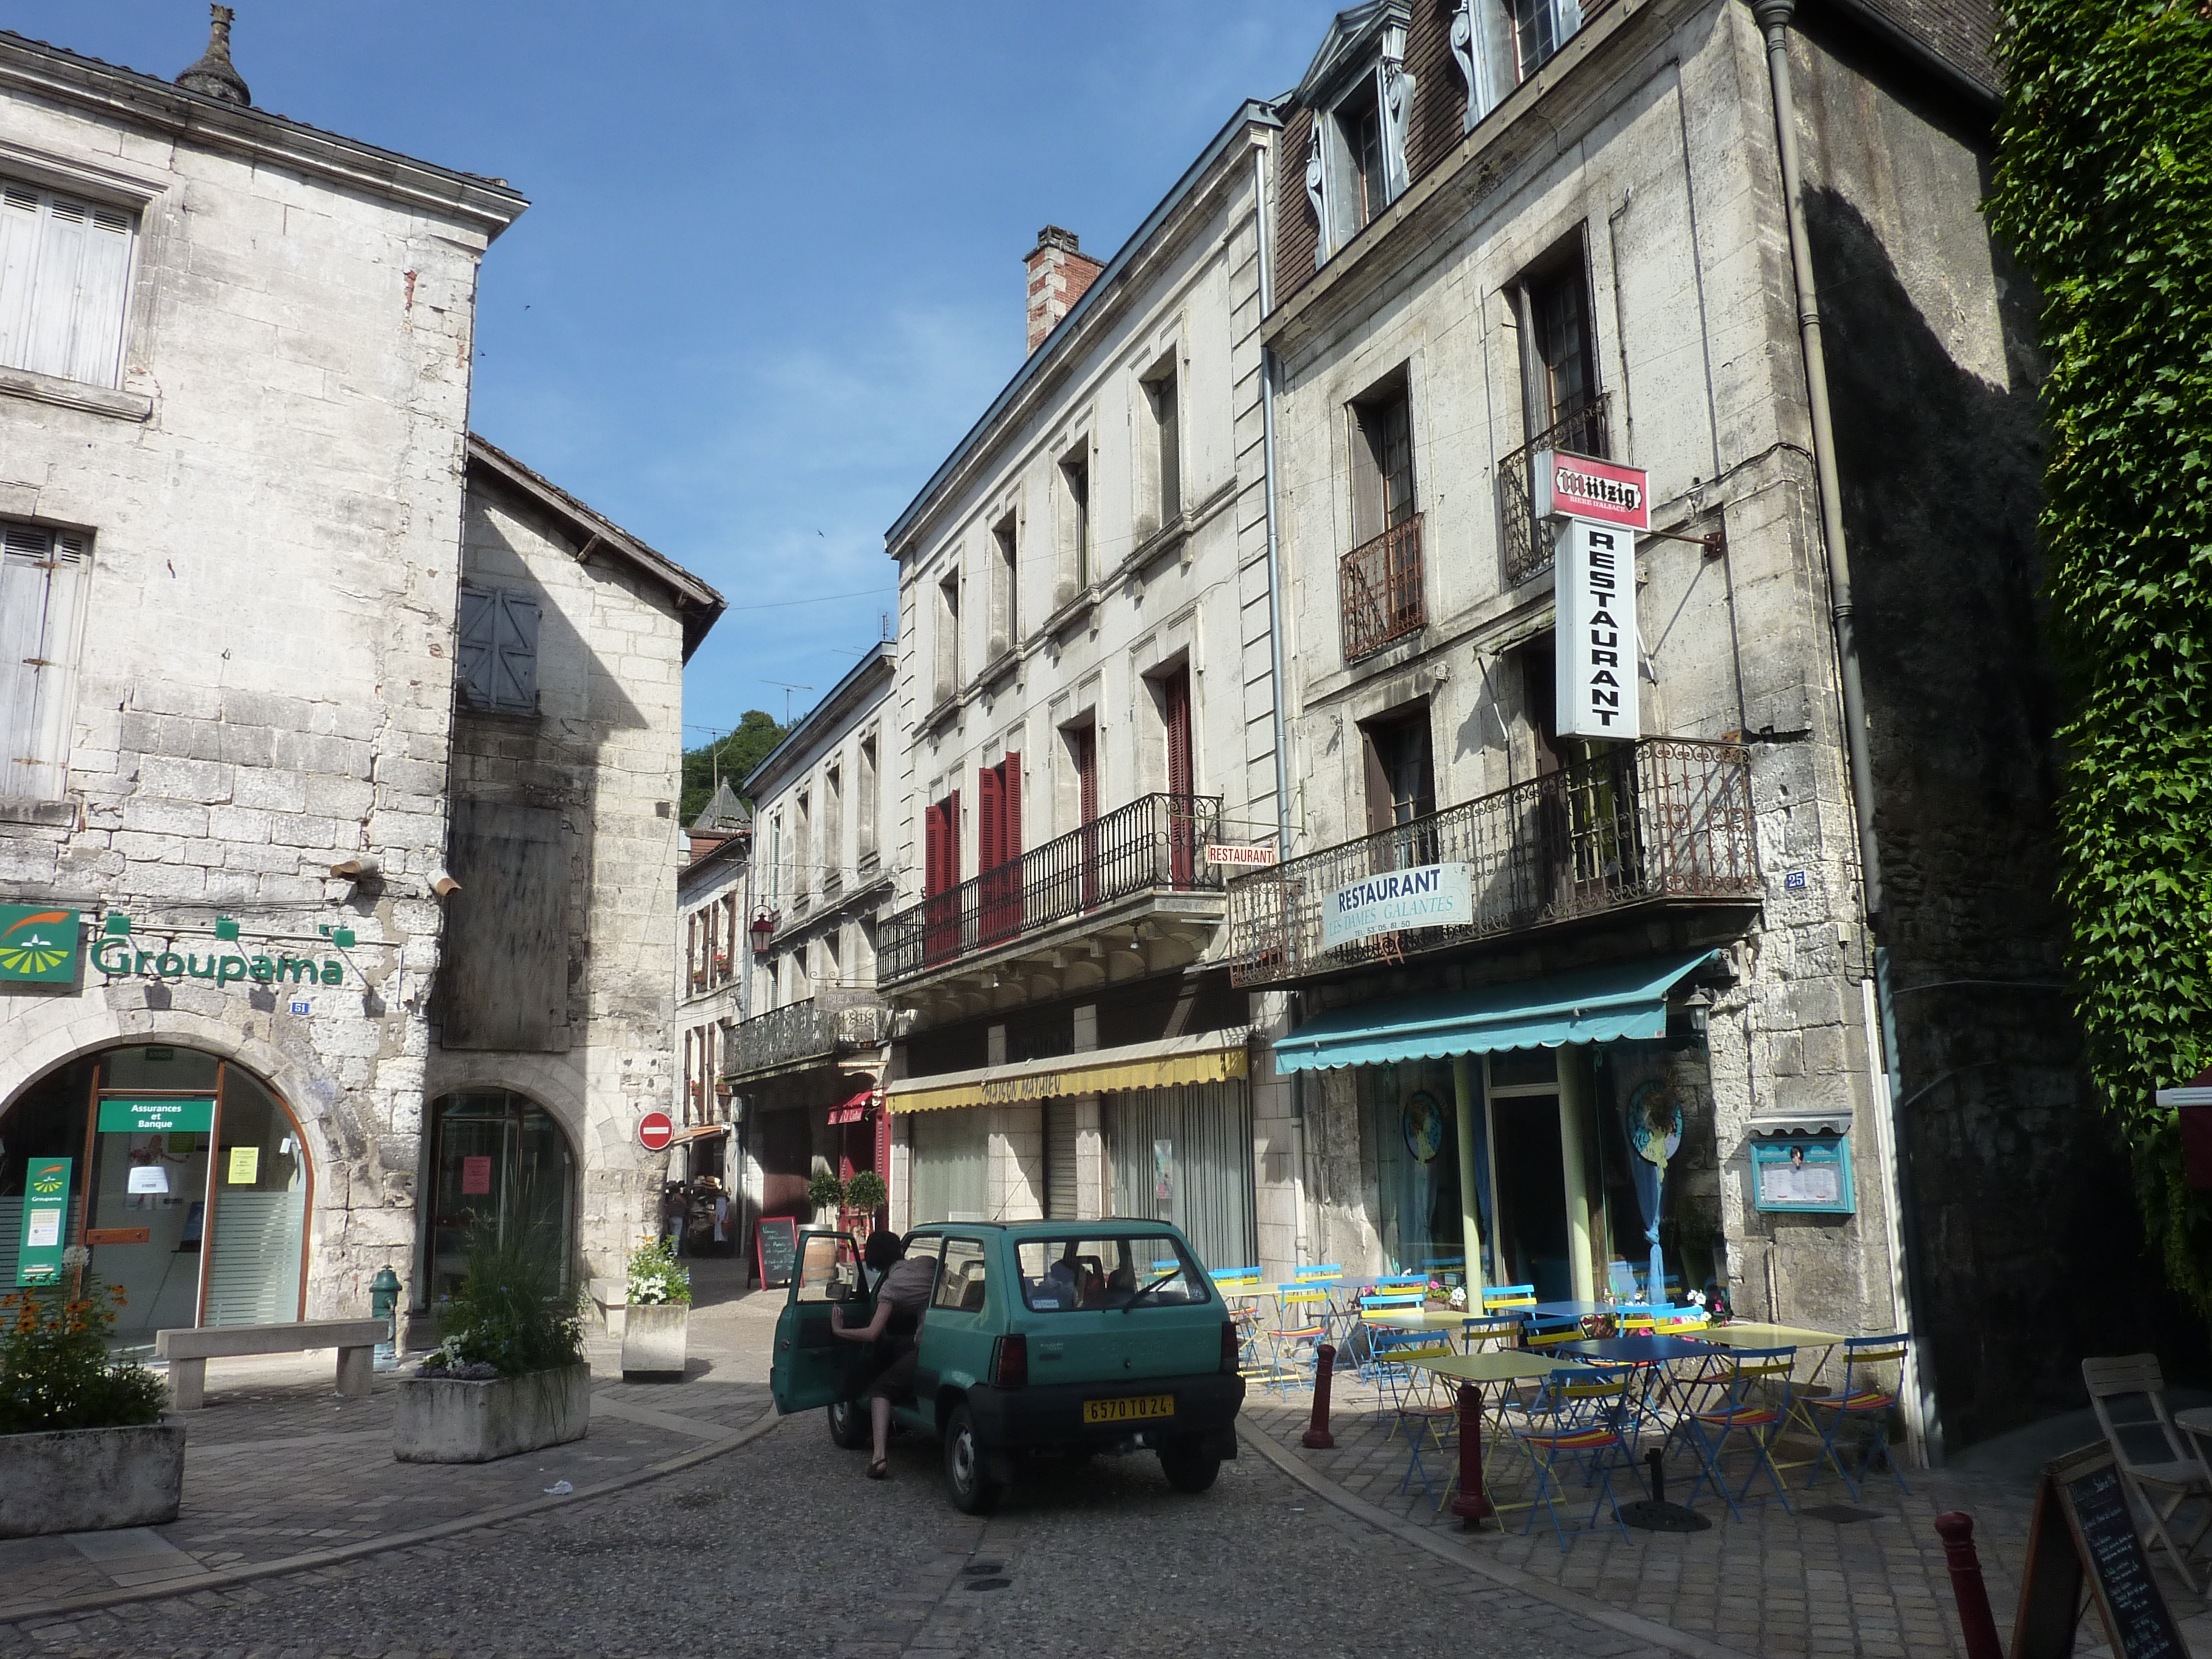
(1593, 1004)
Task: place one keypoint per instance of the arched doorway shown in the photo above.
(498, 1157)
(184, 1174)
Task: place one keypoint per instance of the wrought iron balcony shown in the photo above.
(806, 1033)
(1654, 821)
(1155, 844)
(1527, 547)
(1379, 590)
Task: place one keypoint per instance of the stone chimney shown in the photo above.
(214, 76)
(1059, 273)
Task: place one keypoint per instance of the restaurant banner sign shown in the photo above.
(1427, 896)
(1595, 640)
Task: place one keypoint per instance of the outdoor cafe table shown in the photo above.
(1651, 1351)
(1751, 1333)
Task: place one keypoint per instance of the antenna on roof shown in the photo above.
(787, 689)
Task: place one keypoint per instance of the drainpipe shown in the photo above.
(1298, 1149)
(1774, 18)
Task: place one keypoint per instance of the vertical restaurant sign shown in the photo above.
(38, 944)
(1593, 577)
(45, 1221)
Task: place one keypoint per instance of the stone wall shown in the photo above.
(265, 674)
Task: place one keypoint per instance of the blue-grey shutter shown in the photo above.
(42, 576)
(516, 675)
(472, 651)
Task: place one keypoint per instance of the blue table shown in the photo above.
(1560, 1310)
(1637, 1350)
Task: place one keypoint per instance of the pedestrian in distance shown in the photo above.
(902, 1298)
(674, 1211)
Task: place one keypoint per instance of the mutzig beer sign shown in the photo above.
(1603, 504)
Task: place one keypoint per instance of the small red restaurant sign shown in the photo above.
(1573, 486)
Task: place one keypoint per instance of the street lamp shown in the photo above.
(764, 930)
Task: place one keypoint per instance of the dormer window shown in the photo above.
(1498, 44)
(1356, 159)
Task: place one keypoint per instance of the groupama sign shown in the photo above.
(38, 944)
(118, 959)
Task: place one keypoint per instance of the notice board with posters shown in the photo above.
(2082, 1530)
(776, 1250)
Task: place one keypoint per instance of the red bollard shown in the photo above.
(1471, 1504)
(1957, 1532)
(1317, 1436)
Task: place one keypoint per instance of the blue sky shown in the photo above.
(771, 271)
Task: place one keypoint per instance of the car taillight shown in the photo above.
(1010, 1363)
(1231, 1350)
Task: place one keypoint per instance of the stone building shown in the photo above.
(806, 1071)
(712, 906)
(296, 657)
(1086, 673)
(1518, 231)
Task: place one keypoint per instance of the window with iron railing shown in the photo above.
(1528, 544)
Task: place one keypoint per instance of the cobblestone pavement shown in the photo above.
(1830, 1575)
(782, 1548)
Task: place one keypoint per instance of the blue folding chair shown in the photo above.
(1575, 1418)
(1753, 1402)
(1863, 1401)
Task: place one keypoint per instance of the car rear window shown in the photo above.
(1064, 1275)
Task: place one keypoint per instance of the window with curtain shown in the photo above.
(64, 283)
(43, 573)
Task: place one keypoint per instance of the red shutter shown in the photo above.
(1009, 805)
(1086, 772)
(1176, 694)
(990, 850)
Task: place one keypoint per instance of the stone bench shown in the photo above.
(189, 1349)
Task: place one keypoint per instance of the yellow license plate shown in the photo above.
(1123, 1411)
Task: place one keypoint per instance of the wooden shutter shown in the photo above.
(990, 848)
(472, 649)
(64, 284)
(42, 580)
(516, 677)
(1010, 806)
(1174, 695)
(1086, 773)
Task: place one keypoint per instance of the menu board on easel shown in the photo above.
(775, 1247)
(2082, 1530)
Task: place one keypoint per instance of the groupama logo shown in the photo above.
(38, 945)
(50, 1180)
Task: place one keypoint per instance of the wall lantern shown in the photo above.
(764, 930)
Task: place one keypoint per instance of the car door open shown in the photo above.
(813, 1366)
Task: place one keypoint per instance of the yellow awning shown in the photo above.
(1212, 1059)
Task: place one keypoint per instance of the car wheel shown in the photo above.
(1188, 1467)
(972, 1494)
(848, 1426)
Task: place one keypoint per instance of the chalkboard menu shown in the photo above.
(2081, 1527)
(775, 1247)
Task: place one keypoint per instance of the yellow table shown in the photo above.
(1420, 1319)
(1494, 1365)
(1752, 1334)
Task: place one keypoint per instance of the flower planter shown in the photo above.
(440, 1421)
(653, 1341)
(88, 1480)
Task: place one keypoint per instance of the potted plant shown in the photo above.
(827, 1194)
(866, 1194)
(511, 1377)
(84, 1444)
(654, 1332)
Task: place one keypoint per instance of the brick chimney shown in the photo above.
(1059, 272)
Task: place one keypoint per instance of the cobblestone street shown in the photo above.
(700, 1523)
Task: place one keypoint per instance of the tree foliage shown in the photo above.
(2103, 187)
(733, 757)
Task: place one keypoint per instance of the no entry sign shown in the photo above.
(655, 1130)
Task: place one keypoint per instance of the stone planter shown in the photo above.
(87, 1479)
(440, 1421)
(653, 1341)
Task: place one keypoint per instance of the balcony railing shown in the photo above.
(1155, 843)
(1380, 591)
(832, 1024)
(1658, 819)
(1528, 547)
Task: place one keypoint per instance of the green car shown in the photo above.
(1073, 1337)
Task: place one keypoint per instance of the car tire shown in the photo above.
(972, 1492)
(848, 1426)
(1189, 1465)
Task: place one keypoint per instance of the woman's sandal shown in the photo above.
(879, 1470)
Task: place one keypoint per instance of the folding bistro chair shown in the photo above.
(1755, 1384)
(2180, 1474)
(1296, 1338)
(1867, 1400)
(1508, 1298)
(1575, 1418)
(1429, 1420)
(1482, 1331)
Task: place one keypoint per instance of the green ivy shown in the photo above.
(2103, 188)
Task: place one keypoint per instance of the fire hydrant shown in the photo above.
(383, 1304)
